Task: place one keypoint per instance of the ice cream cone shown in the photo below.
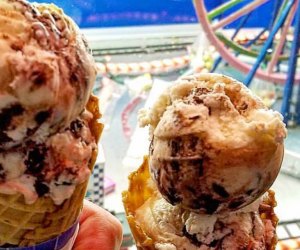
(49, 122)
(147, 231)
(215, 150)
(23, 224)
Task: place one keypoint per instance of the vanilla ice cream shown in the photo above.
(214, 147)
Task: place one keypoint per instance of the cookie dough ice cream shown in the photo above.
(214, 146)
(215, 151)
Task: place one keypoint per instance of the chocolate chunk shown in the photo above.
(4, 138)
(73, 77)
(220, 190)
(172, 195)
(199, 163)
(191, 189)
(202, 91)
(193, 142)
(42, 116)
(39, 78)
(195, 204)
(209, 111)
(236, 203)
(243, 106)
(252, 214)
(35, 161)
(34, 12)
(156, 174)
(17, 46)
(250, 191)
(31, 131)
(66, 183)
(212, 206)
(41, 188)
(197, 100)
(175, 165)
(192, 237)
(7, 115)
(194, 117)
(214, 243)
(200, 169)
(77, 76)
(2, 173)
(175, 146)
(205, 202)
(151, 148)
(76, 127)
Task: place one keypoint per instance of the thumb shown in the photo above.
(98, 229)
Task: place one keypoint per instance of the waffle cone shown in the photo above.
(142, 188)
(24, 224)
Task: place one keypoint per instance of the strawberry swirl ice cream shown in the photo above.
(52, 168)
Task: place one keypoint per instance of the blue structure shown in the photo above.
(116, 13)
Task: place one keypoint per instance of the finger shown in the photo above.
(98, 229)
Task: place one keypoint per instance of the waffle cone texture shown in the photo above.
(24, 224)
(141, 188)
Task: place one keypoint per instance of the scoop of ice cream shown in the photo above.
(52, 168)
(173, 228)
(156, 224)
(46, 70)
(214, 147)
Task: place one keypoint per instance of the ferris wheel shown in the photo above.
(272, 52)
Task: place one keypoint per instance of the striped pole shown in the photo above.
(98, 185)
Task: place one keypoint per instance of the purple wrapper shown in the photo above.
(64, 241)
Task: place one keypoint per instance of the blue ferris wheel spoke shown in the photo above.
(268, 43)
(288, 89)
(275, 13)
(240, 26)
(248, 44)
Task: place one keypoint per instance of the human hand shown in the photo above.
(98, 229)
